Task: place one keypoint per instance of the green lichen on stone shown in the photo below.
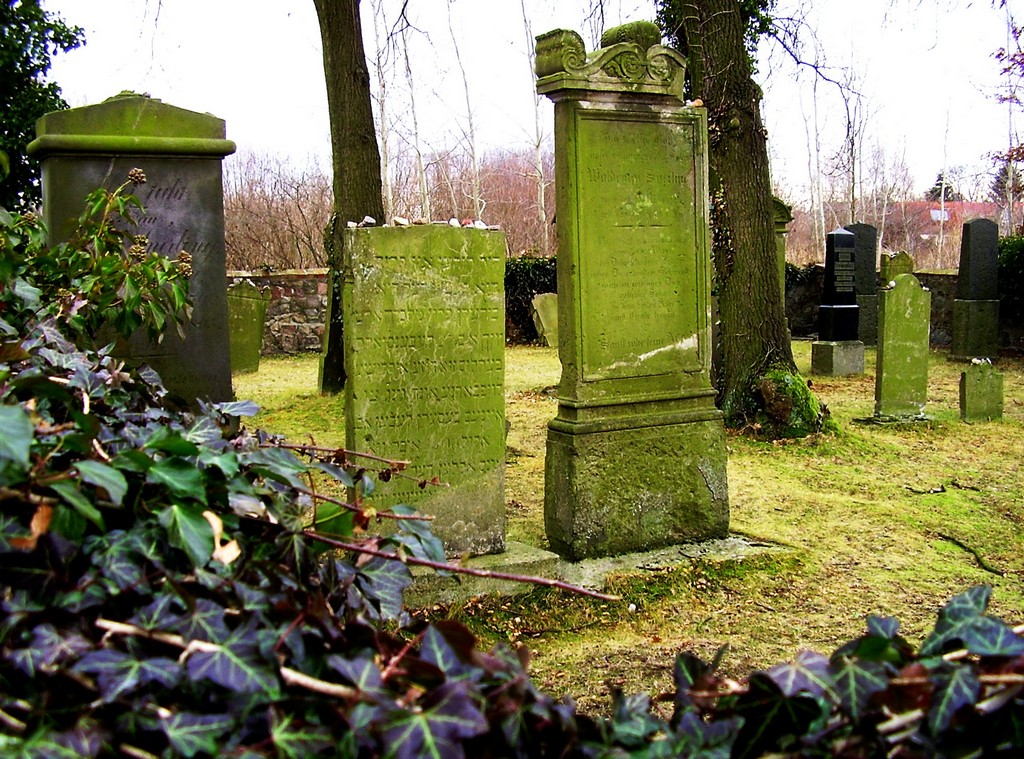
(643, 33)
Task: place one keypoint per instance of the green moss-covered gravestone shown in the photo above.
(636, 455)
(424, 334)
(783, 215)
(866, 280)
(981, 392)
(837, 351)
(976, 305)
(180, 153)
(247, 316)
(891, 265)
(901, 372)
(544, 309)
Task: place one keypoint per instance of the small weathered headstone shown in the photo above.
(976, 306)
(247, 316)
(981, 392)
(424, 332)
(866, 281)
(544, 309)
(636, 455)
(180, 152)
(837, 351)
(901, 373)
(891, 265)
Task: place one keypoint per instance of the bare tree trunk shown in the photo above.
(356, 160)
(383, 127)
(754, 340)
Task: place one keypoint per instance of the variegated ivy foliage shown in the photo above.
(162, 594)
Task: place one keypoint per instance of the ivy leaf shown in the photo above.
(436, 650)
(188, 530)
(118, 673)
(69, 492)
(883, 627)
(298, 742)
(169, 441)
(382, 582)
(236, 665)
(708, 740)
(49, 647)
(856, 682)
(363, 673)
(959, 688)
(808, 674)
(449, 716)
(981, 635)
(191, 734)
(16, 433)
(104, 477)
(769, 715)
(237, 408)
(181, 477)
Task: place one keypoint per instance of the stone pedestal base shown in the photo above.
(617, 491)
(837, 359)
(867, 320)
(975, 329)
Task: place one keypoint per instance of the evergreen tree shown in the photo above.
(1007, 184)
(941, 188)
(29, 36)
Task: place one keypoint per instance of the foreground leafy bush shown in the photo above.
(165, 591)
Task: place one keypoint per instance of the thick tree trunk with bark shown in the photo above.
(356, 159)
(754, 338)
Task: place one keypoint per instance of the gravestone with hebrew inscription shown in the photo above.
(837, 351)
(180, 153)
(866, 280)
(247, 316)
(976, 305)
(636, 455)
(901, 371)
(891, 265)
(424, 334)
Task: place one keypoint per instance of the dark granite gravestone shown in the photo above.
(866, 280)
(180, 153)
(837, 351)
(976, 306)
(636, 455)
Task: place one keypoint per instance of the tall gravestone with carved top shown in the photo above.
(838, 351)
(976, 305)
(180, 152)
(636, 455)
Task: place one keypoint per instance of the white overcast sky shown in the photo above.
(924, 67)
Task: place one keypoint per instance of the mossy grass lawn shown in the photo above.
(881, 519)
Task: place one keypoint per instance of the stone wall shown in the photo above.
(803, 294)
(298, 304)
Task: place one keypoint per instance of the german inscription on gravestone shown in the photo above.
(180, 152)
(838, 313)
(630, 224)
